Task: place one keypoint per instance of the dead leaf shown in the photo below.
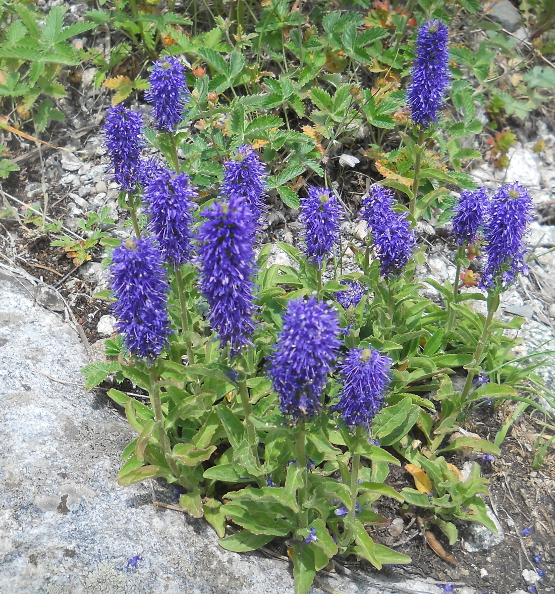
(438, 549)
(456, 471)
(421, 480)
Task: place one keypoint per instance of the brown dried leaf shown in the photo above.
(438, 549)
(421, 480)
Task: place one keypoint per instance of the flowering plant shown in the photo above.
(291, 388)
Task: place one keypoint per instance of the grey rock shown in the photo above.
(101, 187)
(97, 171)
(122, 233)
(84, 170)
(70, 162)
(81, 202)
(85, 190)
(49, 298)
(34, 189)
(541, 235)
(438, 269)
(524, 167)
(552, 310)
(504, 13)
(480, 538)
(91, 272)
(106, 325)
(73, 210)
(69, 179)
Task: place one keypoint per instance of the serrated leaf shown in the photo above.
(289, 197)
(29, 18)
(97, 372)
(6, 167)
(473, 6)
(74, 30)
(53, 25)
(215, 60)
(262, 123)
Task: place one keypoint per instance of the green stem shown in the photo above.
(133, 213)
(156, 404)
(247, 410)
(301, 464)
(174, 157)
(451, 312)
(319, 281)
(350, 519)
(184, 316)
(417, 164)
(493, 304)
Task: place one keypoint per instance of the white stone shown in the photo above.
(541, 235)
(81, 202)
(73, 210)
(481, 538)
(70, 162)
(91, 272)
(438, 269)
(69, 179)
(523, 167)
(483, 573)
(530, 576)
(101, 187)
(85, 190)
(106, 325)
(360, 230)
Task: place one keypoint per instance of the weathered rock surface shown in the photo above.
(66, 527)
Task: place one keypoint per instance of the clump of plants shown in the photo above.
(280, 394)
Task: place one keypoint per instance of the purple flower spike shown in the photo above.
(168, 93)
(148, 170)
(140, 286)
(226, 257)
(365, 377)
(394, 241)
(508, 216)
(170, 211)
(352, 296)
(303, 356)
(124, 141)
(245, 178)
(469, 217)
(430, 74)
(320, 212)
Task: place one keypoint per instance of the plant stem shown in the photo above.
(355, 468)
(184, 316)
(417, 164)
(493, 304)
(133, 213)
(301, 464)
(251, 431)
(156, 404)
(174, 157)
(451, 312)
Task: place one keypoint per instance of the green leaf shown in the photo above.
(449, 529)
(232, 425)
(289, 197)
(6, 167)
(214, 516)
(189, 455)
(143, 473)
(387, 556)
(455, 360)
(53, 25)
(97, 372)
(214, 59)
(261, 124)
(29, 18)
(143, 440)
(244, 541)
(227, 473)
(543, 78)
(473, 6)
(304, 570)
(323, 540)
(192, 503)
(118, 397)
(366, 546)
(74, 30)
(473, 443)
(381, 489)
(257, 519)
